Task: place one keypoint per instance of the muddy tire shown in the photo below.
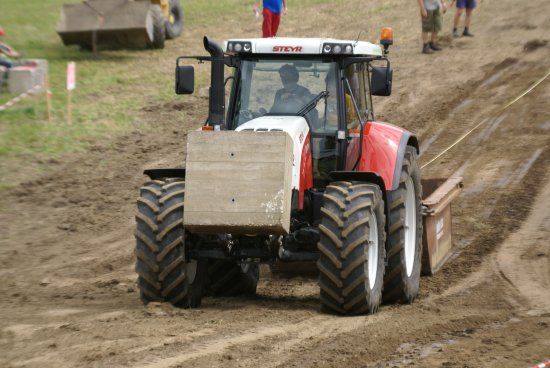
(159, 29)
(174, 23)
(230, 279)
(404, 244)
(351, 261)
(164, 275)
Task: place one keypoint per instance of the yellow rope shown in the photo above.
(484, 121)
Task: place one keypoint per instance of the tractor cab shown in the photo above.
(327, 83)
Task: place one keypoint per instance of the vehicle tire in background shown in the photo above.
(174, 23)
(352, 248)
(164, 275)
(226, 278)
(158, 28)
(404, 244)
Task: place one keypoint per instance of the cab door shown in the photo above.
(357, 102)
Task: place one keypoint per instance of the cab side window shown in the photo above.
(357, 77)
(369, 114)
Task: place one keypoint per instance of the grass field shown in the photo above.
(111, 88)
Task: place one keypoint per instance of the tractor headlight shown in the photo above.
(239, 46)
(337, 48)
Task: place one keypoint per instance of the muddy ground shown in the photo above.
(68, 296)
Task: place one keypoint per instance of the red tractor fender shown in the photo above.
(383, 151)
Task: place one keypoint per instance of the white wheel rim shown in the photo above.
(372, 251)
(410, 226)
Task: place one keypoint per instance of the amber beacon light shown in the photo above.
(386, 38)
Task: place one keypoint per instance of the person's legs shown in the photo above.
(275, 20)
(267, 24)
(437, 25)
(467, 23)
(427, 27)
(458, 15)
(425, 37)
(468, 19)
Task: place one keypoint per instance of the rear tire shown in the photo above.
(164, 275)
(159, 29)
(351, 247)
(174, 23)
(230, 279)
(404, 244)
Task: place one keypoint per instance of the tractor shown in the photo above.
(120, 23)
(295, 168)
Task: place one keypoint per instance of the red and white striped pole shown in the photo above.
(17, 99)
(545, 364)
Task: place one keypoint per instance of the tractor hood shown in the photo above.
(295, 126)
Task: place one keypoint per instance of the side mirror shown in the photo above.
(381, 80)
(185, 80)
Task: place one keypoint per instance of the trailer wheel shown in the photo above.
(404, 244)
(351, 260)
(157, 29)
(164, 275)
(174, 23)
(230, 279)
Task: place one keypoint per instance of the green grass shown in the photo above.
(111, 88)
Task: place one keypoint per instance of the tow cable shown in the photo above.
(485, 120)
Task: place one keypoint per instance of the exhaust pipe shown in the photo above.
(216, 109)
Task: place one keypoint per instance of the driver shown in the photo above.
(292, 96)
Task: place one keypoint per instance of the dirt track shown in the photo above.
(69, 295)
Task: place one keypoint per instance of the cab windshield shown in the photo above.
(284, 87)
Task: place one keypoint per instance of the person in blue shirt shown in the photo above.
(272, 10)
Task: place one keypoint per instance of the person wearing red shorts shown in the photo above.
(469, 5)
(272, 10)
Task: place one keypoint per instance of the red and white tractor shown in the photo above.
(295, 168)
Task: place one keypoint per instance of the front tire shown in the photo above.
(351, 246)
(404, 244)
(164, 274)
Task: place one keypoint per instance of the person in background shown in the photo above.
(7, 52)
(272, 10)
(469, 5)
(430, 10)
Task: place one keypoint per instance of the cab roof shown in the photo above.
(301, 46)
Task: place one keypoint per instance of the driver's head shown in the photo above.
(289, 75)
